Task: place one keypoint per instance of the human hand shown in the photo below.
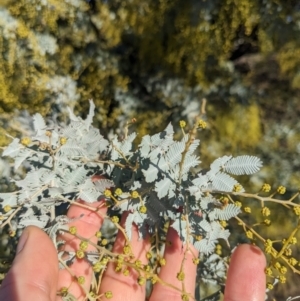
(34, 274)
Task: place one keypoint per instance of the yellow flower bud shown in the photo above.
(266, 188)
(201, 124)
(108, 295)
(104, 242)
(247, 209)
(141, 280)
(143, 209)
(115, 219)
(237, 188)
(25, 141)
(83, 245)
(162, 261)
(81, 280)
(62, 140)
(180, 276)
(182, 123)
(281, 190)
(6, 208)
(265, 211)
(118, 191)
(134, 194)
(107, 193)
(79, 254)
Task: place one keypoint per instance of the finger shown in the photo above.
(246, 279)
(175, 255)
(87, 223)
(126, 288)
(34, 272)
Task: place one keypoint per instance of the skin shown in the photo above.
(34, 274)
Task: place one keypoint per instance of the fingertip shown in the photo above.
(34, 272)
(126, 287)
(87, 221)
(246, 279)
(176, 256)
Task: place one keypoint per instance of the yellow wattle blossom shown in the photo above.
(297, 210)
(265, 211)
(114, 219)
(282, 279)
(118, 267)
(64, 291)
(118, 191)
(283, 270)
(6, 208)
(138, 263)
(268, 246)
(185, 297)
(281, 189)
(223, 223)
(247, 209)
(63, 140)
(83, 245)
(182, 123)
(293, 240)
(277, 265)
(249, 234)
(266, 188)
(107, 193)
(104, 260)
(81, 280)
(73, 230)
(237, 188)
(162, 261)
(79, 254)
(154, 279)
(126, 272)
(25, 141)
(288, 252)
(180, 276)
(104, 242)
(196, 261)
(97, 267)
(141, 280)
(202, 124)
(126, 250)
(270, 286)
(268, 271)
(108, 295)
(293, 261)
(143, 209)
(134, 194)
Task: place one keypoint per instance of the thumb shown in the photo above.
(34, 272)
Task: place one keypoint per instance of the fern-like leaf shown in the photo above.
(224, 214)
(223, 182)
(243, 165)
(39, 124)
(150, 174)
(218, 164)
(162, 187)
(174, 153)
(13, 149)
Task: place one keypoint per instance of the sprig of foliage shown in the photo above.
(153, 182)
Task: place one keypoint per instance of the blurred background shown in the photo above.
(156, 61)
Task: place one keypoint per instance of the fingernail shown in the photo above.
(22, 241)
